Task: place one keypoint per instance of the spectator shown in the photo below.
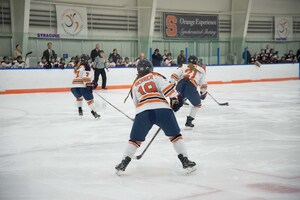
(126, 62)
(95, 52)
(165, 54)
(181, 59)
(53, 62)
(19, 63)
(42, 63)
(298, 55)
(168, 61)
(141, 57)
(17, 52)
(72, 63)
(283, 59)
(247, 56)
(290, 57)
(62, 63)
(6, 63)
(114, 56)
(156, 58)
(273, 56)
(255, 58)
(267, 50)
(99, 65)
(49, 52)
(119, 62)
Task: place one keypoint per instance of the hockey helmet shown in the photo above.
(84, 58)
(144, 67)
(193, 60)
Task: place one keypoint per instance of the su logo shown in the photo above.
(171, 26)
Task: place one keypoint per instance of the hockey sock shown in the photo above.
(131, 149)
(91, 105)
(194, 111)
(79, 102)
(178, 145)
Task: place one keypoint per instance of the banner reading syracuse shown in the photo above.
(71, 21)
(190, 26)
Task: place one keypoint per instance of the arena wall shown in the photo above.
(14, 81)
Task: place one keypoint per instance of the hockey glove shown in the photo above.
(176, 103)
(203, 94)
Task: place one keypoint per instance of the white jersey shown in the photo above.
(18, 65)
(149, 92)
(197, 77)
(5, 65)
(82, 77)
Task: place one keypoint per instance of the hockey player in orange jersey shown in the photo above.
(149, 94)
(188, 78)
(82, 86)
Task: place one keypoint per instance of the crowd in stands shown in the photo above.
(49, 59)
(269, 55)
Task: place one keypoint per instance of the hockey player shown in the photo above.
(188, 78)
(82, 87)
(149, 93)
(42, 63)
(19, 63)
(6, 63)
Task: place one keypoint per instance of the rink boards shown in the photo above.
(14, 81)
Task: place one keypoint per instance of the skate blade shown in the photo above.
(190, 170)
(119, 172)
(188, 128)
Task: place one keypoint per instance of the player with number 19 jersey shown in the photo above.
(149, 92)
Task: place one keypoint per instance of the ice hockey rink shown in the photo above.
(249, 150)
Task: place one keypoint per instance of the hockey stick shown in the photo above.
(141, 155)
(114, 107)
(220, 104)
(27, 54)
(130, 89)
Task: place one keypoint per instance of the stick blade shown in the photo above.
(224, 104)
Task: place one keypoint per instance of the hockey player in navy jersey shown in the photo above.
(189, 77)
(149, 93)
(82, 86)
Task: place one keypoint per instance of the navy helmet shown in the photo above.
(144, 67)
(193, 60)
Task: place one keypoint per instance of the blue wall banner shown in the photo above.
(190, 26)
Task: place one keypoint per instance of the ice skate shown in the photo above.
(188, 166)
(122, 166)
(188, 122)
(95, 114)
(80, 112)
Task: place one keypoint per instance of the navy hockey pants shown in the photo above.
(144, 121)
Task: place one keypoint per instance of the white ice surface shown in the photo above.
(247, 151)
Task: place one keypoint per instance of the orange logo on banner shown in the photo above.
(72, 22)
(171, 21)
